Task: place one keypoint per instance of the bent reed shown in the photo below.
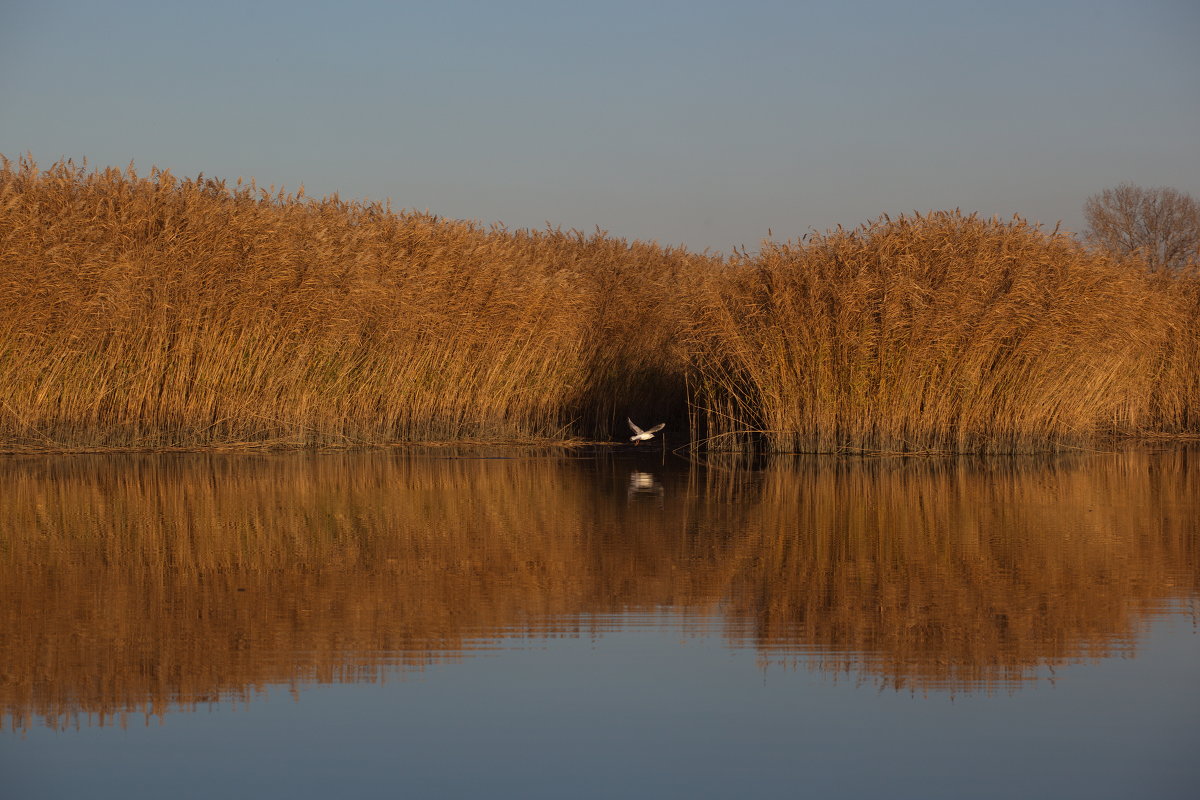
(148, 312)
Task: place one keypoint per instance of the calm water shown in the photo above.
(384, 625)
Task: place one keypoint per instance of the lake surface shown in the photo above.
(387, 624)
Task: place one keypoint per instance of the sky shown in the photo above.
(703, 124)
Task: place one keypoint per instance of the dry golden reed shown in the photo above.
(934, 332)
(146, 311)
(1175, 390)
(151, 312)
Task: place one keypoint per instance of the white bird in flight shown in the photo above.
(640, 435)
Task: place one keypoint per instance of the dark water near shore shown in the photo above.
(384, 624)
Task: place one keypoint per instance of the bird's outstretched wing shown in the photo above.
(657, 427)
(635, 428)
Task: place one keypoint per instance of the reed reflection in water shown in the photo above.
(144, 584)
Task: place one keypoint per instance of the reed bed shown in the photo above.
(140, 584)
(144, 311)
(933, 332)
(1174, 407)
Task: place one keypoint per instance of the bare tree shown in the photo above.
(1162, 224)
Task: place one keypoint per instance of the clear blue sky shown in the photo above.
(694, 123)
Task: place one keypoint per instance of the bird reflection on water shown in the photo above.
(644, 484)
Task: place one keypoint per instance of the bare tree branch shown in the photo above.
(1161, 224)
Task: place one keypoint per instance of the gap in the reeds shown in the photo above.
(147, 312)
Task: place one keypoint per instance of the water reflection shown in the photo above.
(159, 582)
(643, 484)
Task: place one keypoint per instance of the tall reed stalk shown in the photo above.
(1175, 390)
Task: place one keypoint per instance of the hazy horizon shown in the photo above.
(695, 124)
